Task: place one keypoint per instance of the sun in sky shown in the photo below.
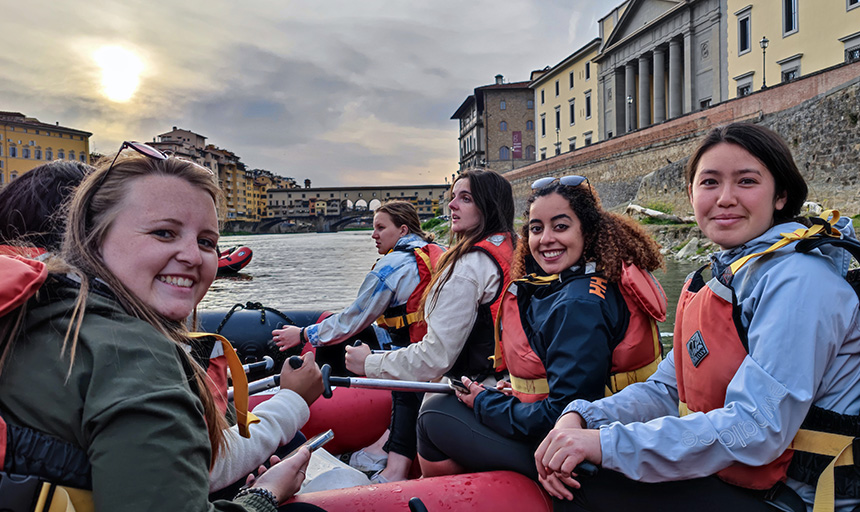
(121, 70)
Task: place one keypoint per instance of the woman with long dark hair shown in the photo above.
(459, 305)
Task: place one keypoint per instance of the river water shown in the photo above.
(322, 271)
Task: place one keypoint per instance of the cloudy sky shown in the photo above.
(343, 92)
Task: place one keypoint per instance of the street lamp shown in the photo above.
(630, 113)
(763, 43)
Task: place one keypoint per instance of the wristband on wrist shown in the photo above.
(259, 491)
(302, 339)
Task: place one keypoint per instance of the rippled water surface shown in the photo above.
(324, 270)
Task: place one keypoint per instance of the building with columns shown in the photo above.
(566, 104)
(774, 42)
(660, 59)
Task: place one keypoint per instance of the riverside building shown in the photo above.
(28, 143)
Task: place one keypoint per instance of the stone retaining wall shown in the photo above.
(818, 115)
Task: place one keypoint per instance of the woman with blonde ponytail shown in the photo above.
(97, 374)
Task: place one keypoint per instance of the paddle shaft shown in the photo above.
(269, 382)
(391, 385)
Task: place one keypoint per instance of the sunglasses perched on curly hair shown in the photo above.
(568, 181)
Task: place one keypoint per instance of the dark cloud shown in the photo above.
(350, 93)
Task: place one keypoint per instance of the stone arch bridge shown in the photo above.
(332, 208)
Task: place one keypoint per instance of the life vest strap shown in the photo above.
(529, 386)
(399, 322)
(29, 493)
(58, 498)
(621, 380)
(824, 224)
(838, 446)
(244, 417)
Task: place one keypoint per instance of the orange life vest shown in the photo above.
(634, 359)
(475, 360)
(406, 318)
(709, 346)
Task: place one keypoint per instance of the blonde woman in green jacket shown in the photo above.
(96, 364)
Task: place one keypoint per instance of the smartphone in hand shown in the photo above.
(457, 385)
(318, 440)
(315, 442)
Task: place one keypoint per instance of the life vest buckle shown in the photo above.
(18, 493)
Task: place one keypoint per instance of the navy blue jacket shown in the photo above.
(573, 331)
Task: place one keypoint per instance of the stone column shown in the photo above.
(675, 78)
(689, 69)
(644, 92)
(629, 93)
(659, 85)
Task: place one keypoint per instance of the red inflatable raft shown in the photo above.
(358, 417)
(233, 260)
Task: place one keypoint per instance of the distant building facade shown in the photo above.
(245, 197)
(800, 38)
(497, 127)
(28, 143)
(660, 59)
(566, 104)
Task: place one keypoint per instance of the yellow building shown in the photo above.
(800, 36)
(566, 106)
(28, 143)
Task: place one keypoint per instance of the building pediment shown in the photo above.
(639, 14)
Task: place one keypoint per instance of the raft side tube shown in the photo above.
(499, 491)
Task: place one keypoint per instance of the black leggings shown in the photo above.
(612, 491)
(402, 439)
(448, 429)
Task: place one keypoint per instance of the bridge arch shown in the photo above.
(374, 204)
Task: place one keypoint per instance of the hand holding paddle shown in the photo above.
(568, 452)
(356, 356)
(302, 375)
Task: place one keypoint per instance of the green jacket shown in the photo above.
(126, 403)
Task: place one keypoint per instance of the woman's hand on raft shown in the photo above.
(305, 380)
(288, 337)
(284, 478)
(355, 357)
(474, 389)
(564, 447)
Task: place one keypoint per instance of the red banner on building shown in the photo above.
(517, 145)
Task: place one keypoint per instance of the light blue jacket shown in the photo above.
(804, 342)
(390, 283)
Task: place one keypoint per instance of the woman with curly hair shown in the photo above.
(577, 322)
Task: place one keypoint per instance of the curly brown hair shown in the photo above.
(609, 239)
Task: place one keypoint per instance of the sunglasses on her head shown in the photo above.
(145, 150)
(568, 181)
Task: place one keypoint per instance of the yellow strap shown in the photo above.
(538, 280)
(838, 446)
(398, 322)
(830, 218)
(621, 380)
(64, 499)
(425, 258)
(496, 358)
(530, 386)
(244, 418)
